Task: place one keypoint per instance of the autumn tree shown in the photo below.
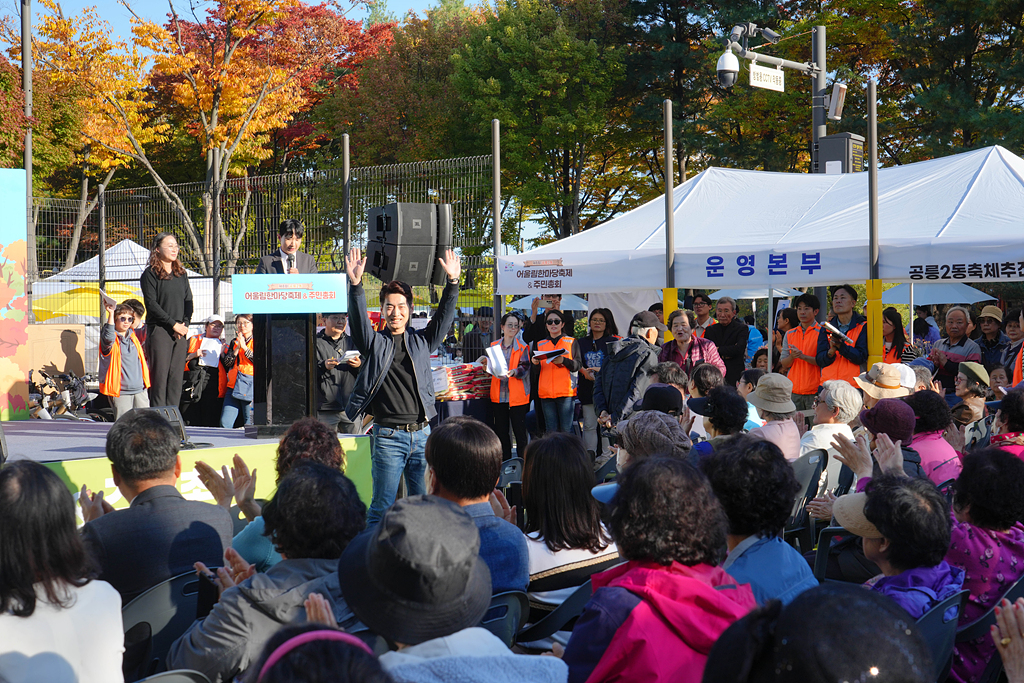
(13, 122)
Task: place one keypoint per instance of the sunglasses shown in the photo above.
(554, 321)
(126, 319)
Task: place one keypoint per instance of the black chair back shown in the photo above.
(938, 626)
(561, 618)
(177, 676)
(506, 615)
(606, 471)
(511, 473)
(808, 469)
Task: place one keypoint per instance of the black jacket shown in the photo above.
(731, 341)
(273, 263)
(623, 378)
(378, 349)
(335, 386)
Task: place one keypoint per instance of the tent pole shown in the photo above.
(876, 348)
(496, 219)
(770, 328)
(670, 295)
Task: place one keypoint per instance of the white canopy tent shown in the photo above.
(948, 219)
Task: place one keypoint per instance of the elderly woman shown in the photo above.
(883, 380)
(650, 432)
(835, 407)
(686, 348)
(1009, 424)
(773, 399)
(655, 617)
(940, 462)
(972, 384)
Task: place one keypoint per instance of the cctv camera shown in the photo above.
(728, 69)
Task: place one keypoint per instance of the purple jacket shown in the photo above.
(918, 590)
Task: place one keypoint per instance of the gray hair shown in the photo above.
(924, 375)
(966, 312)
(650, 432)
(729, 300)
(843, 396)
(777, 417)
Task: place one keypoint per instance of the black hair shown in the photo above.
(39, 544)
(1012, 315)
(669, 372)
(706, 377)
(396, 287)
(557, 479)
(291, 226)
(609, 321)
(789, 314)
(679, 312)
(913, 515)
(921, 327)
(752, 376)
(654, 308)
(992, 483)
(703, 297)
(931, 410)
(807, 299)
(757, 354)
(309, 439)
(137, 306)
(665, 512)
(142, 445)
(1012, 410)
(318, 661)
(899, 337)
(314, 514)
(754, 483)
(122, 308)
(748, 319)
(465, 455)
(727, 410)
(505, 318)
(848, 288)
(554, 311)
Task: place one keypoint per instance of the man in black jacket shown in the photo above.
(288, 259)
(395, 384)
(730, 336)
(625, 373)
(336, 376)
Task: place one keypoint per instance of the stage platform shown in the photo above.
(77, 452)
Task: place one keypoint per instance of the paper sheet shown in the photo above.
(496, 364)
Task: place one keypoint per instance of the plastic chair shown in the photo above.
(808, 469)
(560, 618)
(938, 626)
(567, 576)
(506, 615)
(948, 489)
(608, 469)
(169, 608)
(177, 676)
(821, 553)
(979, 628)
(511, 473)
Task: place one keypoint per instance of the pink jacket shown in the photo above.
(700, 351)
(1012, 442)
(939, 460)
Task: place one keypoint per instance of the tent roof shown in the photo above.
(124, 261)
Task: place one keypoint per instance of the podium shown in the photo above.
(284, 309)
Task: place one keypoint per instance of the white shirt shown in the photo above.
(543, 559)
(821, 436)
(82, 643)
(284, 260)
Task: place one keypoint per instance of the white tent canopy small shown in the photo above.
(952, 218)
(932, 294)
(755, 293)
(570, 302)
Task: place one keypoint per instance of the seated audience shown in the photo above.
(1009, 424)
(756, 487)
(664, 399)
(883, 380)
(311, 653)
(564, 533)
(656, 617)
(745, 387)
(416, 579)
(829, 633)
(774, 403)
(160, 534)
(940, 462)
(669, 373)
(724, 414)
(703, 379)
(896, 420)
(997, 379)
(759, 360)
(307, 440)
(835, 407)
(987, 543)
(972, 388)
(650, 432)
(923, 377)
(906, 531)
(311, 519)
(464, 461)
(57, 624)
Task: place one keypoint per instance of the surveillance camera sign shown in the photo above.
(769, 79)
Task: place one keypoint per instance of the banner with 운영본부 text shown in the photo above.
(305, 293)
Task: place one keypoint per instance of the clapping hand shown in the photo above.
(856, 456)
(219, 484)
(821, 508)
(235, 571)
(501, 508)
(1008, 636)
(889, 455)
(319, 611)
(93, 506)
(245, 488)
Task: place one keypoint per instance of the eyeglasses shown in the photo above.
(554, 322)
(125, 319)
(597, 320)
(818, 400)
(700, 303)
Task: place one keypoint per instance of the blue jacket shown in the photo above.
(378, 349)
(502, 548)
(857, 354)
(772, 567)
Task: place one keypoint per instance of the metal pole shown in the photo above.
(873, 177)
(496, 219)
(346, 196)
(216, 226)
(818, 95)
(670, 236)
(102, 257)
(31, 264)
(770, 326)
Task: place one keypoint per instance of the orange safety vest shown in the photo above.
(700, 333)
(892, 357)
(842, 368)
(227, 379)
(556, 381)
(517, 393)
(806, 377)
(193, 346)
(110, 385)
(1018, 371)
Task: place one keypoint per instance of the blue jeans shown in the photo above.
(393, 452)
(558, 413)
(229, 413)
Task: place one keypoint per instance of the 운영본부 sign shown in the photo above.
(307, 293)
(769, 79)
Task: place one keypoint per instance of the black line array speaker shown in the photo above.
(405, 240)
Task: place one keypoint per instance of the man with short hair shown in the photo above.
(396, 385)
(730, 336)
(336, 377)
(702, 319)
(624, 373)
(480, 337)
(799, 347)
(288, 259)
(956, 348)
(839, 359)
(160, 534)
(464, 457)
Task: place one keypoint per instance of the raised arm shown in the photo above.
(362, 332)
(443, 318)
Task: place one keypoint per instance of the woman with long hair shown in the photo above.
(510, 394)
(895, 338)
(57, 623)
(594, 350)
(556, 379)
(168, 300)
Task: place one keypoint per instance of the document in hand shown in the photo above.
(107, 299)
(496, 364)
(348, 355)
(554, 353)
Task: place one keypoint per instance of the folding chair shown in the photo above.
(177, 676)
(821, 553)
(506, 615)
(567, 576)
(562, 617)
(511, 473)
(938, 626)
(808, 469)
(979, 628)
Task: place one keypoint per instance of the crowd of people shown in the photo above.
(690, 574)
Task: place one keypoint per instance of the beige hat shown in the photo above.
(975, 371)
(883, 380)
(992, 312)
(774, 393)
(849, 512)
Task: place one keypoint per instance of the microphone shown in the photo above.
(289, 264)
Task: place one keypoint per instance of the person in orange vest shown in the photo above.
(510, 393)
(202, 390)
(1014, 355)
(124, 373)
(237, 375)
(702, 319)
(556, 380)
(839, 359)
(799, 346)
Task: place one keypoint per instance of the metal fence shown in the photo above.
(225, 228)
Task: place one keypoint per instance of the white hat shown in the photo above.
(215, 318)
(908, 378)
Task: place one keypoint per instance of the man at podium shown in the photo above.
(288, 259)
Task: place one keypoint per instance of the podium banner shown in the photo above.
(306, 293)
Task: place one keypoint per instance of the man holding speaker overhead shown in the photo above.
(288, 259)
(396, 385)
